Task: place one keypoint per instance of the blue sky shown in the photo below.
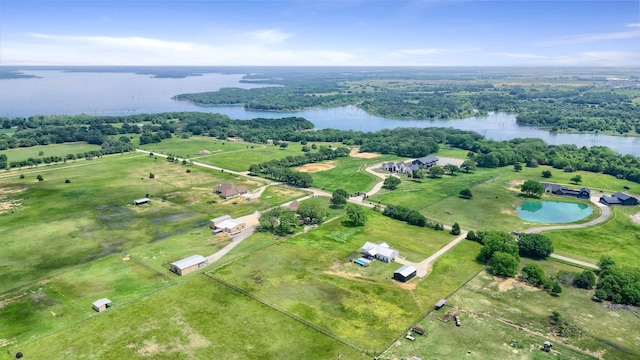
(320, 32)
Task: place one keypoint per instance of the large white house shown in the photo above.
(382, 251)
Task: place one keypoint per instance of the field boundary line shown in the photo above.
(289, 314)
(424, 315)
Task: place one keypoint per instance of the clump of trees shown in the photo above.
(533, 275)
(466, 194)
(619, 284)
(535, 246)
(505, 247)
(279, 221)
(411, 216)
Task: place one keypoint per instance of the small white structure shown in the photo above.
(188, 265)
(141, 201)
(382, 251)
(215, 221)
(230, 226)
(101, 305)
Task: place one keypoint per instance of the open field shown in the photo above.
(493, 192)
(349, 174)
(611, 333)
(60, 302)
(20, 154)
(195, 319)
(618, 238)
(315, 167)
(312, 276)
(92, 215)
(506, 319)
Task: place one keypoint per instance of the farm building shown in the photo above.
(382, 252)
(101, 305)
(405, 273)
(619, 199)
(227, 190)
(188, 265)
(230, 226)
(557, 189)
(440, 304)
(141, 201)
(215, 221)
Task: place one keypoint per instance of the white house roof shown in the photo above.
(406, 270)
(101, 302)
(383, 249)
(189, 262)
(386, 252)
(221, 218)
(228, 224)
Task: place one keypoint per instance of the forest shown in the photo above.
(571, 104)
(110, 133)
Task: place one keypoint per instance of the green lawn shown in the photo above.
(20, 154)
(195, 319)
(618, 238)
(349, 174)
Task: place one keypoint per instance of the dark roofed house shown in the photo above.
(405, 273)
(619, 199)
(557, 189)
(426, 161)
(626, 199)
(228, 190)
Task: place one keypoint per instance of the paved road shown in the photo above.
(423, 266)
(237, 239)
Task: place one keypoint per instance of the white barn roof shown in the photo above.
(101, 302)
(221, 218)
(189, 262)
(406, 270)
(229, 224)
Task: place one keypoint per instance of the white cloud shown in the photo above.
(520, 55)
(633, 25)
(595, 37)
(270, 35)
(48, 49)
(425, 51)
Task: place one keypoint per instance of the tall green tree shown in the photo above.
(503, 264)
(391, 182)
(356, 215)
(532, 188)
(313, 211)
(339, 197)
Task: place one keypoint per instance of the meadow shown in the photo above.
(312, 276)
(349, 174)
(194, 319)
(62, 150)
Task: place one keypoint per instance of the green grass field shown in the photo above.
(195, 319)
(349, 174)
(20, 154)
(618, 238)
(494, 192)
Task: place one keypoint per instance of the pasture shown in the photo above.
(50, 225)
(311, 275)
(194, 319)
(20, 154)
(349, 173)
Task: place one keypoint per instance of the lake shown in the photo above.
(553, 212)
(114, 93)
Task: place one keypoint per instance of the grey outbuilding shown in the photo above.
(188, 265)
(101, 305)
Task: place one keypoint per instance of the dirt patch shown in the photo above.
(636, 218)
(511, 283)
(406, 286)
(315, 167)
(8, 200)
(363, 155)
(515, 185)
(203, 152)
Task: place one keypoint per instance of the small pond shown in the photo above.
(553, 212)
